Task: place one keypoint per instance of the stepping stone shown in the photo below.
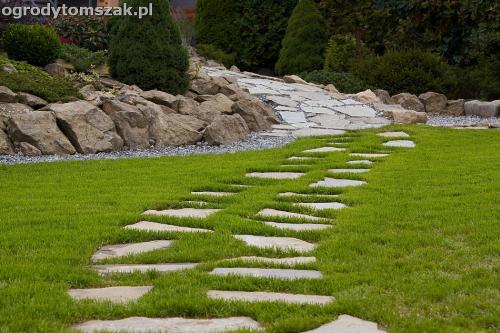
(277, 243)
(252, 297)
(294, 165)
(184, 212)
(368, 155)
(277, 261)
(286, 274)
(321, 205)
(293, 194)
(195, 202)
(331, 182)
(111, 294)
(160, 227)
(301, 158)
(214, 194)
(279, 213)
(161, 268)
(348, 324)
(324, 150)
(364, 162)
(305, 132)
(400, 143)
(123, 250)
(299, 226)
(349, 170)
(275, 175)
(173, 325)
(394, 135)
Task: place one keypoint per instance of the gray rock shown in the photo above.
(455, 108)
(433, 102)
(273, 273)
(40, 130)
(383, 96)
(252, 297)
(226, 129)
(7, 110)
(31, 100)
(123, 250)
(130, 123)
(173, 325)
(88, 128)
(162, 227)
(159, 97)
(409, 101)
(482, 109)
(257, 116)
(110, 294)
(348, 324)
(7, 95)
(183, 212)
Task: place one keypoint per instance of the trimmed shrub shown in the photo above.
(36, 44)
(340, 53)
(481, 81)
(304, 41)
(345, 82)
(82, 59)
(35, 81)
(412, 71)
(148, 52)
(212, 52)
(90, 32)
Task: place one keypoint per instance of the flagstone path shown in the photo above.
(283, 266)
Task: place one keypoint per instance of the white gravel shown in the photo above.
(462, 121)
(254, 142)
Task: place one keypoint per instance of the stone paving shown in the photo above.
(275, 175)
(121, 294)
(307, 109)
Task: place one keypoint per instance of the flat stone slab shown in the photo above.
(332, 182)
(299, 226)
(293, 117)
(293, 194)
(321, 205)
(349, 170)
(277, 261)
(394, 135)
(274, 273)
(277, 243)
(161, 268)
(275, 175)
(362, 162)
(324, 150)
(160, 227)
(357, 110)
(183, 212)
(349, 324)
(252, 297)
(305, 132)
(400, 143)
(111, 294)
(123, 250)
(300, 158)
(367, 155)
(170, 325)
(214, 194)
(268, 212)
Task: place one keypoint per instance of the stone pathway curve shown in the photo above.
(301, 222)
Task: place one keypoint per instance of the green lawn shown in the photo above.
(418, 251)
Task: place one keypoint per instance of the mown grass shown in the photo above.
(418, 251)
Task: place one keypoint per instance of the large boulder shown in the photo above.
(257, 116)
(366, 96)
(7, 110)
(94, 96)
(159, 97)
(130, 123)
(226, 129)
(5, 144)
(404, 116)
(293, 79)
(482, 109)
(383, 96)
(7, 95)
(220, 103)
(39, 129)
(204, 87)
(169, 130)
(455, 107)
(56, 69)
(88, 128)
(409, 101)
(433, 102)
(31, 100)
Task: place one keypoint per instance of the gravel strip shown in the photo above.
(462, 121)
(254, 142)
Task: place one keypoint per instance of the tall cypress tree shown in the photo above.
(304, 42)
(148, 52)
